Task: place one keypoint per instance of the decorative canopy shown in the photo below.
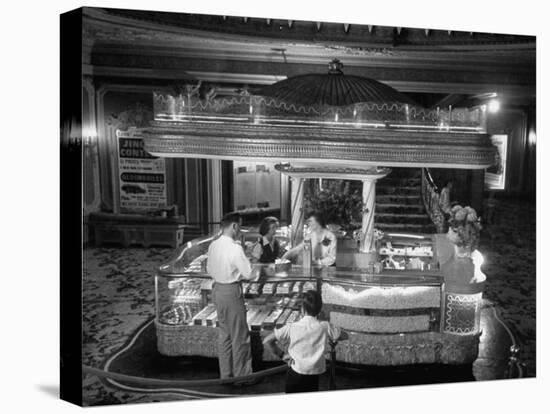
(334, 89)
(320, 119)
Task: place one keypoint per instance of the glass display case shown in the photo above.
(407, 251)
(398, 316)
(185, 314)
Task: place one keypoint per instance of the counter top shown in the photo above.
(388, 277)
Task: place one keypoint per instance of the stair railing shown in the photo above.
(430, 198)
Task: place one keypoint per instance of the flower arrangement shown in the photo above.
(338, 203)
(466, 226)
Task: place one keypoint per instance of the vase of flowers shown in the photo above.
(339, 203)
(464, 231)
(464, 228)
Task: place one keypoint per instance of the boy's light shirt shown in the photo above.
(308, 343)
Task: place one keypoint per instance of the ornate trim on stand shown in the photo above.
(337, 146)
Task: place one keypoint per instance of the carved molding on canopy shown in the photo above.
(322, 171)
(334, 146)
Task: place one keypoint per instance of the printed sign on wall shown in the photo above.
(142, 177)
(495, 175)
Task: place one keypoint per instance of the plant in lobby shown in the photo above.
(340, 204)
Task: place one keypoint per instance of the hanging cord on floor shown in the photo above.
(183, 383)
(176, 384)
(514, 360)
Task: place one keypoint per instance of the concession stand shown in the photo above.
(386, 290)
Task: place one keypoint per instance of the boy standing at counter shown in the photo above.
(307, 340)
(228, 265)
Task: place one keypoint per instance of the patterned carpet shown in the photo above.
(118, 295)
(509, 247)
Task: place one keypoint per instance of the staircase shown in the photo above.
(399, 207)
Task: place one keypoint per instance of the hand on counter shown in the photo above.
(270, 342)
(256, 271)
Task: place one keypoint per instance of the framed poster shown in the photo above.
(141, 177)
(495, 176)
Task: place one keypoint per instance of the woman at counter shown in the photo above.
(323, 242)
(267, 248)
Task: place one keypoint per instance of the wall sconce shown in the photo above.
(493, 106)
(89, 135)
(532, 137)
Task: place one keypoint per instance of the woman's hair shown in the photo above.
(266, 223)
(318, 217)
(312, 302)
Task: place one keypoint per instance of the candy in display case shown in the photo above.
(186, 316)
(407, 252)
(178, 300)
(399, 316)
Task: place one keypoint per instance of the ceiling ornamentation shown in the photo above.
(230, 50)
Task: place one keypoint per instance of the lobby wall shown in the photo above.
(519, 124)
(110, 105)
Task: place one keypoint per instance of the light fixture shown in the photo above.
(493, 105)
(89, 135)
(532, 137)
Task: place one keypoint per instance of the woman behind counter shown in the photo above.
(267, 248)
(323, 242)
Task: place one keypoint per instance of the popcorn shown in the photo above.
(378, 324)
(383, 297)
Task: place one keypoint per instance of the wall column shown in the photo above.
(367, 229)
(91, 189)
(477, 186)
(297, 213)
(215, 210)
(285, 199)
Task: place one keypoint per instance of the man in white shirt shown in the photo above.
(228, 265)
